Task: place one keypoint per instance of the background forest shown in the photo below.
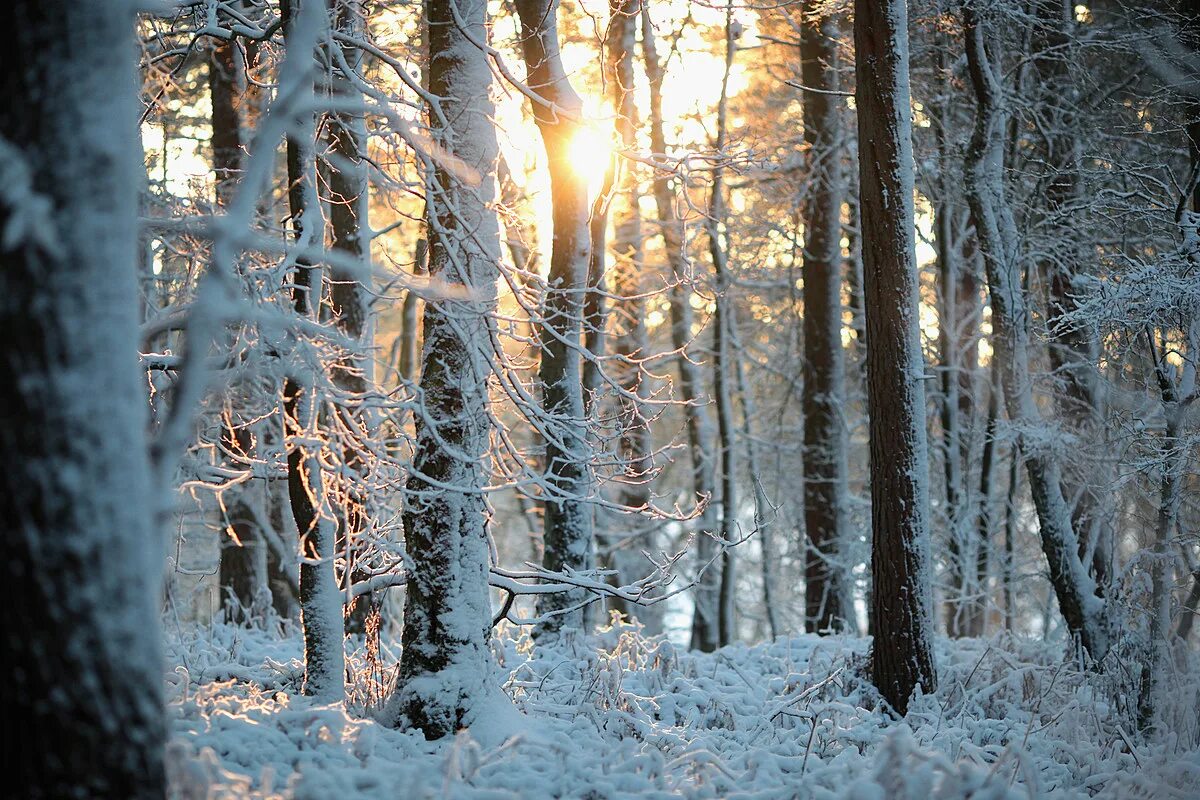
(607, 398)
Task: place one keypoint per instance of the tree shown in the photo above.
(81, 556)
(705, 631)
(320, 600)
(902, 654)
(447, 617)
(568, 481)
(1074, 587)
(824, 362)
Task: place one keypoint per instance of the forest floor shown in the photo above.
(622, 715)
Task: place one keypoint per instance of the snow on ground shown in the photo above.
(621, 715)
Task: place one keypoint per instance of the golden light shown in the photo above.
(590, 152)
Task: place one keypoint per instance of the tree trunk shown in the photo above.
(82, 560)
(569, 481)
(825, 487)
(630, 338)
(320, 600)
(902, 654)
(723, 332)
(705, 633)
(350, 299)
(1073, 350)
(1077, 595)
(447, 617)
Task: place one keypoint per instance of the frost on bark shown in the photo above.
(705, 634)
(902, 654)
(81, 559)
(824, 363)
(447, 617)
(1078, 600)
(569, 481)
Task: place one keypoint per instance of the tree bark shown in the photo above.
(902, 654)
(447, 617)
(350, 299)
(569, 480)
(82, 558)
(825, 488)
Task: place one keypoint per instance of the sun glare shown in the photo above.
(590, 152)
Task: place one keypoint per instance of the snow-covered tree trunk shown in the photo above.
(825, 487)
(1173, 461)
(569, 480)
(445, 662)
(320, 600)
(1073, 350)
(1074, 587)
(902, 654)
(705, 634)
(82, 561)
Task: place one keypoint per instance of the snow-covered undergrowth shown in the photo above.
(621, 715)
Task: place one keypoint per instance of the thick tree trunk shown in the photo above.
(902, 654)
(825, 487)
(1074, 587)
(81, 559)
(320, 600)
(447, 617)
(705, 633)
(569, 482)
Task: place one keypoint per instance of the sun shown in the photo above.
(590, 152)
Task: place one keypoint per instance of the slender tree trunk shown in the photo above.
(1072, 350)
(1173, 460)
(82, 560)
(902, 654)
(447, 617)
(350, 299)
(705, 630)
(1074, 587)
(320, 600)
(628, 315)
(242, 573)
(723, 332)
(825, 488)
(569, 481)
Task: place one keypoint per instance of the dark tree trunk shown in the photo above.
(81, 557)
(350, 296)
(569, 481)
(902, 654)
(724, 325)
(824, 360)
